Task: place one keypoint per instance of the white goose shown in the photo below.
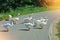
(17, 18)
(42, 21)
(8, 24)
(29, 25)
(14, 19)
(28, 19)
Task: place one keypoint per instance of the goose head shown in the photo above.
(10, 16)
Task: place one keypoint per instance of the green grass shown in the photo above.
(58, 27)
(23, 11)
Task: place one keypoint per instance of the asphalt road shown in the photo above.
(17, 32)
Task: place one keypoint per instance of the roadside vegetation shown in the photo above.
(23, 7)
(23, 11)
(58, 28)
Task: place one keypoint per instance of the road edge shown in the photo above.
(51, 28)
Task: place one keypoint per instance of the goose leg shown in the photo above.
(41, 27)
(29, 28)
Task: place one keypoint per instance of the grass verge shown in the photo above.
(58, 29)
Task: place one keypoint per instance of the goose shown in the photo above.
(14, 19)
(42, 22)
(29, 25)
(17, 18)
(8, 24)
(28, 19)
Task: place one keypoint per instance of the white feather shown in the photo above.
(29, 24)
(7, 25)
(17, 18)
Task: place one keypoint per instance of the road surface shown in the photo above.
(17, 32)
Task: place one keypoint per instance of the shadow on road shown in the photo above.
(37, 28)
(23, 30)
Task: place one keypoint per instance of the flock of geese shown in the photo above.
(28, 22)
